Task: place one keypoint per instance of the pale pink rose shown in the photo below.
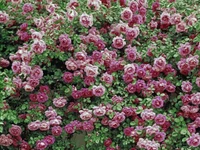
(17, 82)
(55, 121)
(194, 140)
(36, 35)
(118, 42)
(133, 5)
(181, 27)
(44, 126)
(132, 33)
(27, 7)
(160, 119)
(107, 78)
(126, 14)
(16, 1)
(153, 24)
(191, 20)
(71, 65)
(33, 126)
(41, 145)
(51, 7)
(198, 81)
(94, 4)
(193, 61)
(28, 88)
(159, 64)
(25, 69)
(91, 70)
(195, 99)
(39, 22)
(59, 102)
(16, 67)
(175, 18)
(86, 20)
(6, 140)
(50, 112)
(152, 129)
(3, 17)
(36, 72)
(38, 46)
(99, 110)
(81, 55)
(165, 18)
(71, 14)
(184, 49)
(15, 130)
(186, 86)
(98, 90)
(129, 69)
(148, 114)
(85, 114)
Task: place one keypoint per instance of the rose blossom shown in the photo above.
(184, 49)
(107, 78)
(159, 64)
(88, 126)
(191, 20)
(4, 63)
(148, 114)
(71, 14)
(129, 69)
(126, 14)
(56, 130)
(16, 67)
(91, 70)
(198, 81)
(15, 130)
(38, 46)
(131, 88)
(160, 119)
(181, 27)
(193, 61)
(28, 88)
(195, 98)
(59, 102)
(85, 114)
(157, 102)
(186, 86)
(36, 72)
(194, 140)
(33, 126)
(64, 40)
(118, 42)
(6, 140)
(133, 6)
(27, 7)
(160, 136)
(86, 20)
(98, 90)
(99, 110)
(49, 139)
(128, 131)
(132, 33)
(114, 123)
(3, 17)
(117, 99)
(42, 97)
(41, 145)
(165, 18)
(119, 117)
(44, 126)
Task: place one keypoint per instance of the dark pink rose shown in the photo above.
(42, 97)
(160, 119)
(15, 130)
(186, 86)
(4, 63)
(49, 139)
(56, 130)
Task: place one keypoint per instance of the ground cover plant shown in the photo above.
(117, 74)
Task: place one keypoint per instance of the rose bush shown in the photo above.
(123, 73)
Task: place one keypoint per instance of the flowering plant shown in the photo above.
(123, 74)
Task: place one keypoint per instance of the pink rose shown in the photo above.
(184, 49)
(198, 81)
(175, 19)
(195, 98)
(68, 77)
(15, 130)
(69, 128)
(91, 70)
(160, 136)
(142, 11)
(6, 140)
(98, 90)
(64, 40)
(186, 86)
(88, 126)
(27, 8)
(126, 14)
(4, 63)
(107, 78)
(85, 114)
(44, 89)
(16, 1)
(129, 69)
(56, 130)
(157, 102)
(41, 145)
(181, 27)
(42, 97)
(3, 17)
(39, 22)
(86, 20)
(50, 113)
(133, 5)
(49, 139)
(194, 140)
(59, 102)
(155, 6)
(38, 46)
(36, 35)
(131, 53)
(32, 82)
(33, 126)
(17, 82)
(94, 4)
(160, 119)
(28, 88)
(117, 99)
(148, 114)
(118, 42)
(16, 67)
(114, 124)
(71, 65)
(191, 20)
(132, 33)
(71, 14)
(193, 61)
(131, 88)
(165, 18)
(36, 72)
(119, 117)
(44, 126)
(159, 64)
(99, 110)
